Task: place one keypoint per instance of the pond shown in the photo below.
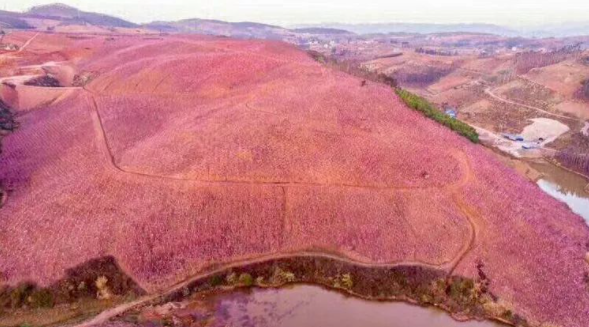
(566, 187)
(312, 306)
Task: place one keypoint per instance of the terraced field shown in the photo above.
(184, 152)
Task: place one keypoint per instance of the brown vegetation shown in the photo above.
(574, 160)
(529, 60)
(93, 279)
(355, 69)
(464, 298)
(43, 81)
(421, 76)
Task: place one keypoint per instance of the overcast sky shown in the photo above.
(503, 12)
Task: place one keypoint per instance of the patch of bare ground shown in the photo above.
(501, 117)
(521, 91)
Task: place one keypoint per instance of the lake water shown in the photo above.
(566, 187)
(312, 306)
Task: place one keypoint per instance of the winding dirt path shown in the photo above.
(26, 44)
(108, 154)
(490, 93)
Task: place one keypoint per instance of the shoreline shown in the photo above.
(462, 298)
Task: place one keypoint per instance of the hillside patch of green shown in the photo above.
(427, 109)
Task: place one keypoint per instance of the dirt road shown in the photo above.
(489, 92)
(26, 44)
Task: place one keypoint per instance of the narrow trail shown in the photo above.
(469, 212)
(103, 139)
(489, 92)
(26, 44)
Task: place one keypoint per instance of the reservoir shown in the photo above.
(566, 187)
(312, 306)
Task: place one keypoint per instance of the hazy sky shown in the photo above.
(288, 12)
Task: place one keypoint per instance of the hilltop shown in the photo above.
(55, 15)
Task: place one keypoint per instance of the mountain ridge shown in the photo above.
(69, 15)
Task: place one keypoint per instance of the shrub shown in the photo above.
(216, 280)
(19, 295)
(317, 56)
(7, 122)
(103, 292)
(44, 81)
(231, 278)
(354, 69)
(42, 298)
(246, 279)
(422, 105)
(585, 90)
(343, 281)
(282, 277)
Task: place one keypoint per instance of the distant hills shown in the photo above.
(239, 29)
(417, 28)
(61, 14)
(217, 27)
(10, 19)
(73, 15)
(563, 30)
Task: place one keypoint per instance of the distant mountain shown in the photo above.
(216, 27)
(10, 19)
(55, 10)
(322, 30)
(62, 15)
(71, 15)
(560, 30)
(412, 28)
(243, 29)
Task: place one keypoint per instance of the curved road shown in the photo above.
(489, 92)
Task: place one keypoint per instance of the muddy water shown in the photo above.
(566, 187)
(312, 306)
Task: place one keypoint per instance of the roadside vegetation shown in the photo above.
(422, 105)
(411, 100)
(7, 122)
(574, 160)
(7, 125)
(98, 279)
(463, 298)
(354, 69)
(584, 91)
